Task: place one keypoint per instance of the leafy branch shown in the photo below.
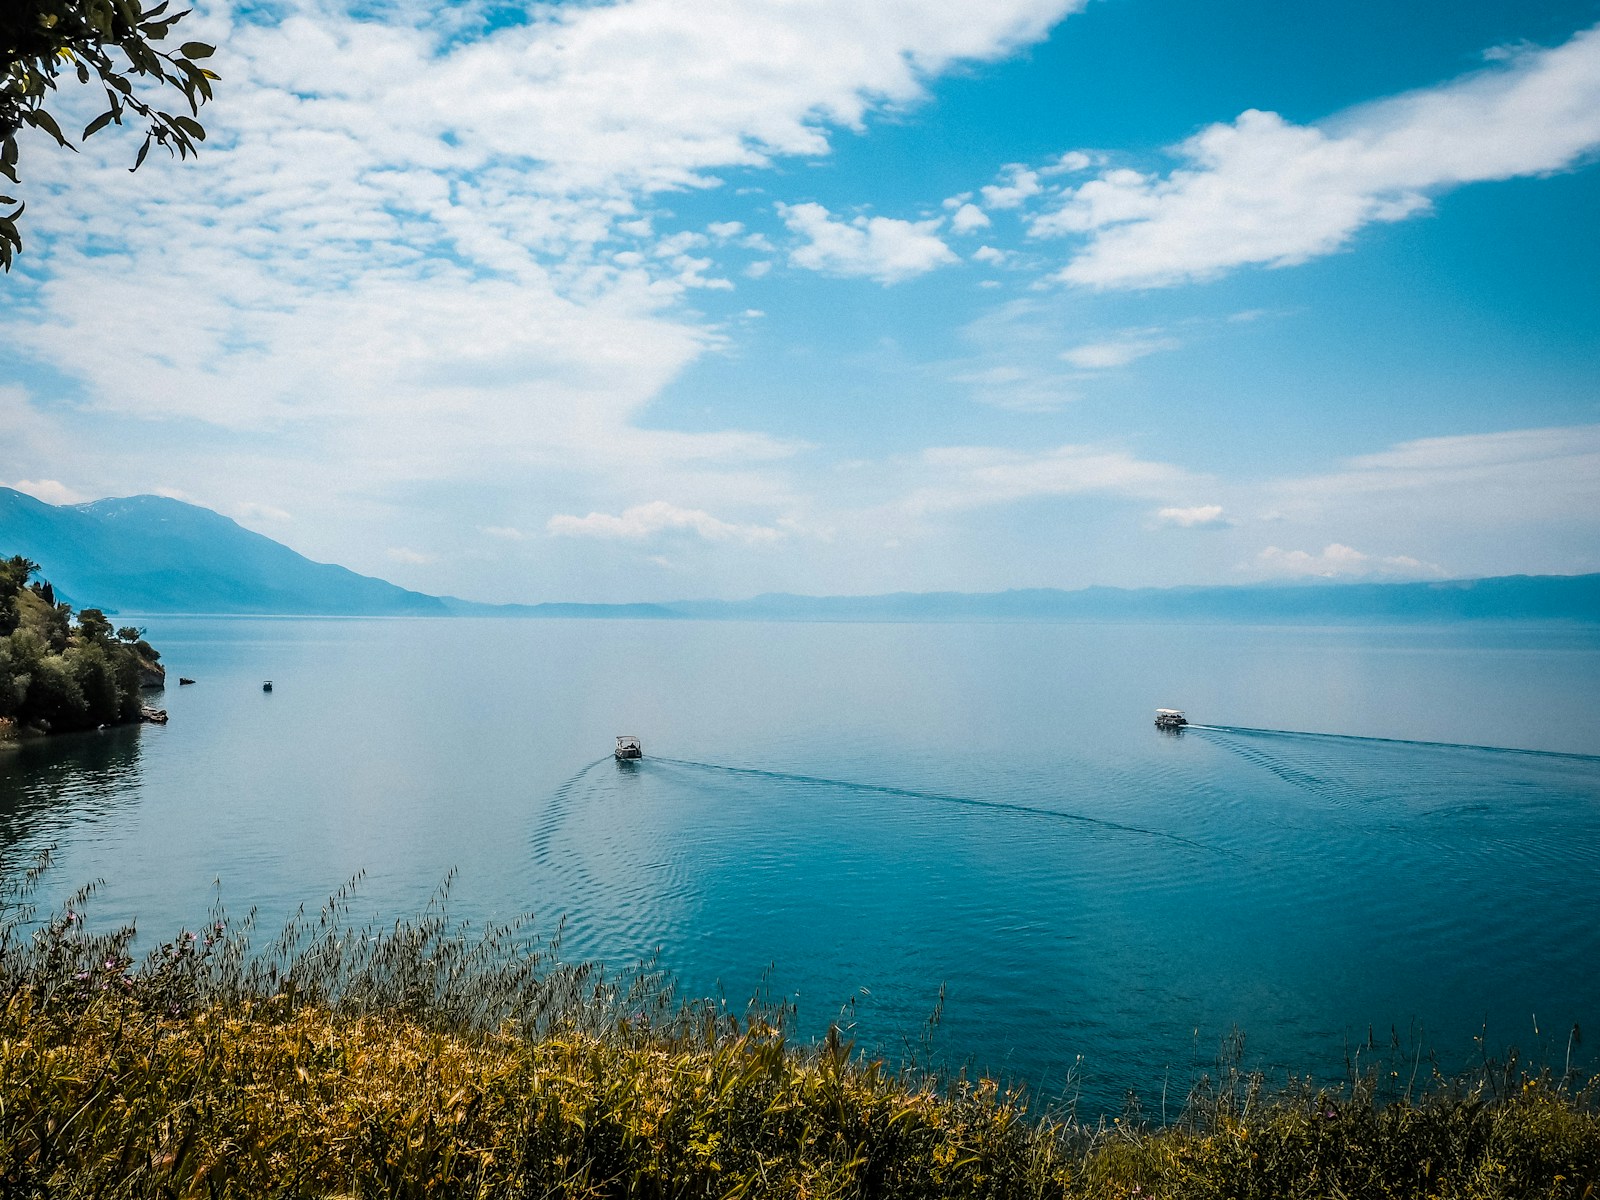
(114, 43)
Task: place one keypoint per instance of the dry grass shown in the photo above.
(427, 1059)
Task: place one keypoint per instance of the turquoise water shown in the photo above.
(867, 814)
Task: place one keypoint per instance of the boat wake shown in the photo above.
(555, 813)
(1350, 769)
(1355, 737)
(943, 798)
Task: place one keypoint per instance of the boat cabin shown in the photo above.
(628, 746)
(1170, 718)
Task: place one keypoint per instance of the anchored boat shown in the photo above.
(628, 747)
(1170, 718)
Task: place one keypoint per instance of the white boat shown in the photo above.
(628, 747)
(1170, 718)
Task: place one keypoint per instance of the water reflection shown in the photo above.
(69, 782)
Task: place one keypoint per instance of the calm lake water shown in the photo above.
(874, 812)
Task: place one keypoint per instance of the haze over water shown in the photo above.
(876, 811)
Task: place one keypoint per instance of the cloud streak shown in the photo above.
(965, 477)
(1336, 560)
(643, 522)
(1264, 191)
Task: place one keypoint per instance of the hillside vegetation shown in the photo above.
(58, 673)
(427, 1059)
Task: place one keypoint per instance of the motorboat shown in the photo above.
(628, 747)
(1170, 718)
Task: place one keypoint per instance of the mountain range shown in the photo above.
(152, 554)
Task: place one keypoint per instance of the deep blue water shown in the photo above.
(877, 811)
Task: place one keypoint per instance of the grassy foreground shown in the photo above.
(428, 1060)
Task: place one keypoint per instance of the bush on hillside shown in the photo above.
(57, 675)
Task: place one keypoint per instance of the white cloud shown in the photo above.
(408, 556)
(1337, 560)
(1019, 388)
(1020, 184)
(880, 248)
(1516, 476)
(1201, 516)
(250, 510)
(51, 491)
(1069, 163)
(644, 521)
(504, 533)
(967, 218)
(1263, 190)
(962, 477)
(1118, 352)
(420, 251)
(1520, 500)
(990, 255)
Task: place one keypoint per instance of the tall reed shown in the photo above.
(433, 1058)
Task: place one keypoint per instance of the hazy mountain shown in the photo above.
(151, 554)
(1506, 598)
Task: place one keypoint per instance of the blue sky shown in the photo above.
(660, 299)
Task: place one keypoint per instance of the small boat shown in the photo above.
(267, 686)
(1170, 718)
(184, 679)
(628, 747)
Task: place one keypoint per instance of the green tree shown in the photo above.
(93, 626)
(96, 676)
(14, 572)
(12, 685)
(56, 626)
(55, 699)
(114, 44)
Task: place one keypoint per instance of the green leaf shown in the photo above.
(99, 123)
(40, 119)
(192, 50)
(193, 128)
(139, 159)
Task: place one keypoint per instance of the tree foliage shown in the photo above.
(57, 675)
(113, 44)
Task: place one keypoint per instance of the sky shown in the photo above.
(661, 299)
